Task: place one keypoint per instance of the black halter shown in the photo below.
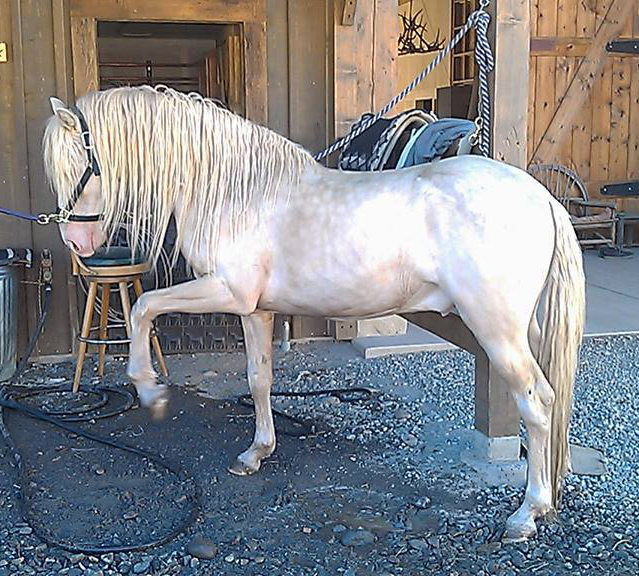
(93, 169)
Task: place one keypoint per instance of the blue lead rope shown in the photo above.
(18, 214)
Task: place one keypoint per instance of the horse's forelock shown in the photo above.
(64, 159)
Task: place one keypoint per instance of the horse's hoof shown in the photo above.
(239, 468)
(158, 409)
(519, 531)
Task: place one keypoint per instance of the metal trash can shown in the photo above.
(8, 320)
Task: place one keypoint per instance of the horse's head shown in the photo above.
(73, 172)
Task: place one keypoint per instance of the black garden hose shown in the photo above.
(10, 393)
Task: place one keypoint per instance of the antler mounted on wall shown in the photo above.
(412, 40)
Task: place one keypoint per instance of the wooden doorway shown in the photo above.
(237, 66)
(189, 47)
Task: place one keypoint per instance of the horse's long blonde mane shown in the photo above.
(159, 149)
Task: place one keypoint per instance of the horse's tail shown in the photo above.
(562, 330)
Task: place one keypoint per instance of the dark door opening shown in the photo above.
(204, 58)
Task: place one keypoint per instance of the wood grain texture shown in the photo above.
(307, 69)
(223, 11)
(385, 38)
(588, 71)
(84, 40)
(39, 61)
(601, 116)
(620, 117)
(511, 22)
(586, 10)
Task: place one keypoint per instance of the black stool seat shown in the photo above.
(113, 256)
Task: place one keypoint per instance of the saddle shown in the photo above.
(395, 142)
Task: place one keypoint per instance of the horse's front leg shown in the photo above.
(206, 294)
(258, 336)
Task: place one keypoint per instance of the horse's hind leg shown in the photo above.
(258, 335)
(513, 360)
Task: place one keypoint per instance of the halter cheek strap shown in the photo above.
(92, 169)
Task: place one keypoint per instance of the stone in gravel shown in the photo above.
(357, 538)
(338, 528)
(260, 560)
(202, 547)
(108, 558)
(75, 558)
(124, 567)
(141, 566)
(25, 530)
(230, 558)
(418, 544)
(517, 558)
(409, 440)
(129, 515)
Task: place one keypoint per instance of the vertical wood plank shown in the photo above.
(532, 78)
(586, 18)
(565, 70)
(14, 175)
(364, 23)
(84, 40)
(511, 25)
(547, 18)
(582, 136)
(36, 24)
(601, 115)
(545, 98)
(277, 65)
(345, 72)
(255, 71)
(633, 139)
(386, 33)
(601, 10)
(620, 116)
(534, 17)
(307, 73)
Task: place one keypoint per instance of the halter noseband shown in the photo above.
(64, 215)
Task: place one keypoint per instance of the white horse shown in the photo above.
(267, 229)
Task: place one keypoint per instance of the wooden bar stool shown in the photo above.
(107, 268)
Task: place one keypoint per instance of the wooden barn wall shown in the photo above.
(38, 66)
(365, 59)
(601, 142)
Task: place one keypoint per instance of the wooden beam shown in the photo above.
(581, 85)
(496, 413)
(84, 39)
(511, 29)
(222, 11)
(547, 46)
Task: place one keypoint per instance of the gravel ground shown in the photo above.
(379, 489)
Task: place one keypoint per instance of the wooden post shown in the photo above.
(510, 39)
(496, 415)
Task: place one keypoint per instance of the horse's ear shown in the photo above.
(69, 119)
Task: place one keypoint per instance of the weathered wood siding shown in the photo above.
(38, 67)
(600, 139)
